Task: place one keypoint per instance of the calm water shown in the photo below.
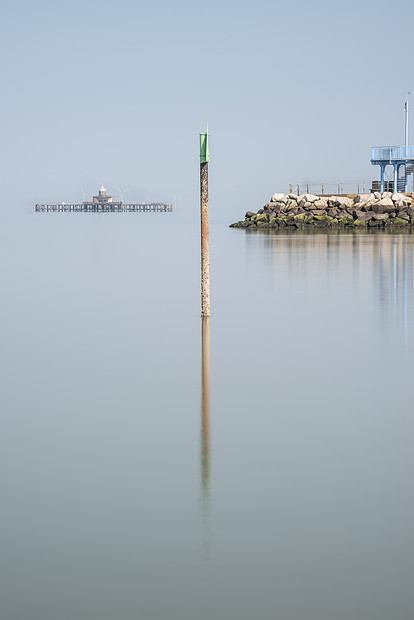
(283, 490)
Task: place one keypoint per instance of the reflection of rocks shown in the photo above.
(309, 211)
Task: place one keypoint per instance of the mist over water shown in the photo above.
(145, 477)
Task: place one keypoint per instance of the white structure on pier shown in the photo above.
(102, 198)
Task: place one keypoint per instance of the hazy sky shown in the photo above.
(117, 92)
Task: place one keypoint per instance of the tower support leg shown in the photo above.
(406, 178)
(395, 178)
(382, 178)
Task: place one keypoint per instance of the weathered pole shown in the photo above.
(205, 257)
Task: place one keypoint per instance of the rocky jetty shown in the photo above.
(308, 211)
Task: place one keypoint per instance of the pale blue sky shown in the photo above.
(116, 93)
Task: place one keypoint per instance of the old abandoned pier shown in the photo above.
(88, 207)
(102, 203)
(309, 211)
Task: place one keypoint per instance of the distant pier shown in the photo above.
(102, 203)
(89, 207)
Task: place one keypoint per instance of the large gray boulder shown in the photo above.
(321, 203)
(371, 200)
(279, 198)
(291, 204)
(363, 201)
(311, 197)
(334, 211)
(367, 206)
(397, 196)
(362, 198)
(358, 214)
(380, 208)
(340, 201)
(386, 202)
(344, 201)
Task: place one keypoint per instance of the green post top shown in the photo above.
(204, 152)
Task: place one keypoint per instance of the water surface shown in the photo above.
(291, 498)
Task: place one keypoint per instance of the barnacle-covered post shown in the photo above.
(205, 257)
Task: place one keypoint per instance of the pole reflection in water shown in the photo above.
(205, 422)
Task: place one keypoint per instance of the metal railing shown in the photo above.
(329, 189)
(392, 153)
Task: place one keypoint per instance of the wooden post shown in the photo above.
(298, 190)
(290, 189)
(205, 256)
(307, 188)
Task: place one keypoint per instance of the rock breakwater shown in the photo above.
(307, 211)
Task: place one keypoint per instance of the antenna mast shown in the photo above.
(406, 125)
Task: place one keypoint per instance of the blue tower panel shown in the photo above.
(395, 156)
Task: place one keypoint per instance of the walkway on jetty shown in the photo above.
(89, 207)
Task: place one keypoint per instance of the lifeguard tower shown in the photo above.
(400, 157)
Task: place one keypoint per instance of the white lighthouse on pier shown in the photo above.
(102, 198)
